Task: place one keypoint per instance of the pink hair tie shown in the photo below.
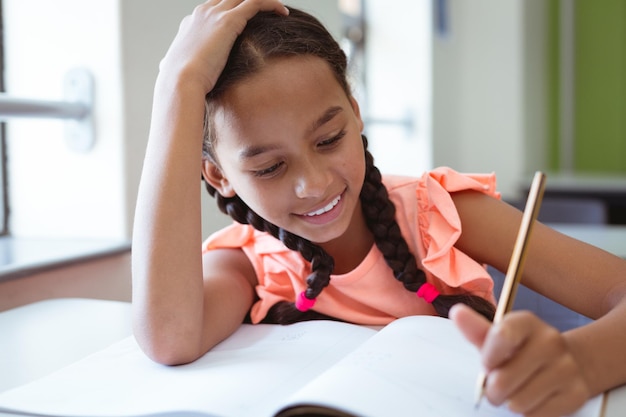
(303, 303)
(428, 292)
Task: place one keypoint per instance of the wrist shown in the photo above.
(182, 80)
(592, 347)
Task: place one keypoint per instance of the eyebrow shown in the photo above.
(325, 118)
(328, 115)
(252, 151)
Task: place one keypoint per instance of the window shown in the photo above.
(59, 205)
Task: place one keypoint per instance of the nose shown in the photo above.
(312, 179)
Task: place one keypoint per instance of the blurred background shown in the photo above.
(480, 86)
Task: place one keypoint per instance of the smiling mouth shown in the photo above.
(324, 209)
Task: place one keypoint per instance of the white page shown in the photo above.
(415, 366)
(249, 374)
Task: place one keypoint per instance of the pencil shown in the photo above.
(516, 264)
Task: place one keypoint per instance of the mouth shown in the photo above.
(324, 209)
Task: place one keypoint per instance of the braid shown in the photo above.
(379, 213)
(268, 36)
(322, 263)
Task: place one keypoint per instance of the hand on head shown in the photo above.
(204, 39)
(529, 364)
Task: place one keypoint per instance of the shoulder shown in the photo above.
(243, 236)
(434, 186)
(431, 224)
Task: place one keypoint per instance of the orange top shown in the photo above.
(370, 294)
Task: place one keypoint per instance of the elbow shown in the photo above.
(167, 348)
(166, 355)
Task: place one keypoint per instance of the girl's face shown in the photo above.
(289, 145)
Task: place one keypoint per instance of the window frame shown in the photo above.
(4, 194)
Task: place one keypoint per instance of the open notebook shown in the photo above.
(418, 365)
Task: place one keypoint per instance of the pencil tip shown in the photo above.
(480, 390)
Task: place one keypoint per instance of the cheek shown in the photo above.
(356, 162)
(262, 200)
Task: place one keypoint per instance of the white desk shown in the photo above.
(42, 337)
(611, 238)
(39, 338)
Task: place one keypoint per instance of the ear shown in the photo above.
(213, 175)
(357, 112)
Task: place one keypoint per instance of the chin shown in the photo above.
(322, 238)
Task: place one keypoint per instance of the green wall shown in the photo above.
(600, 86)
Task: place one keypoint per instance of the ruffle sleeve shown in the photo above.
(440, 228)
(279, 270)
(430, 205)
(428, 220)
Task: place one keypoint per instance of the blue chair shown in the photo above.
(569, 210)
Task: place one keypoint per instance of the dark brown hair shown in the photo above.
(268, 36)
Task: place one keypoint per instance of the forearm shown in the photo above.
(599, 349)
(167, 265)
(168, 287)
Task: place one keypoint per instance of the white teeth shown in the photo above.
(325, 209)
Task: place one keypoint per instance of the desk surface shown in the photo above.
(45, 336)
(611, 238)
(42, 337)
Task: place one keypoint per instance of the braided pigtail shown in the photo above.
(379, 213)
(268, 36)
(322, 263)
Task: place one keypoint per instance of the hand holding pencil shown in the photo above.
(516, 266)
(528, 364)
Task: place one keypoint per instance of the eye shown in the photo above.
(332, 141)
(268, 172)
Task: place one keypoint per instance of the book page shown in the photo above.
(419, 365)
(249, 374)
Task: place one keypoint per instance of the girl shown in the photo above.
(254, 96)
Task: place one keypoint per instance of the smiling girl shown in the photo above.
(254, 96)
